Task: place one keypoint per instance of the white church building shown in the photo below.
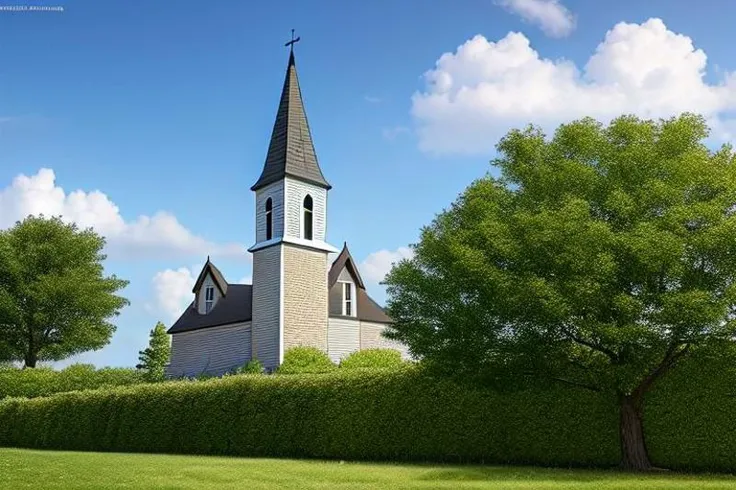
(297, 297)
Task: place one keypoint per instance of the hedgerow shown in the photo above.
(344, 414)
(373, 359)
(31, 383)
(403, 414)
(304, 359)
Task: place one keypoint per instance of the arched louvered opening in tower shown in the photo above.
(308, 217)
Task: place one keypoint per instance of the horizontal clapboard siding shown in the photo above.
(267, 305)
(213, 351)
(371, 336)
(343, 337)
(276, 192)
(295, 193)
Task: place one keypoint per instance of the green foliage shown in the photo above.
(254, 366)
(359, 414)
(154, 358)
(54, 298)
(600, 258)
(373, 359)
(32, 383)
(302, 360)
(393, 415)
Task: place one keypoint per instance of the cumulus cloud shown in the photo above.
(551, 16)
(375, 267)
(159, 235)
(173, 291)
(476, 94)
(394, 132)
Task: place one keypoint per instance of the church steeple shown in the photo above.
(291, 151)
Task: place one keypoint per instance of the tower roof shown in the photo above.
(291, 151)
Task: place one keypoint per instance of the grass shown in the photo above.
(56, 470)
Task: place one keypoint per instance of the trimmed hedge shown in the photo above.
(399, 415)
(305, 360)
(385, 415)
(32, 383)
(373, 359)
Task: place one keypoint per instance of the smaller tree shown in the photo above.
(154, 358)
(55, 299)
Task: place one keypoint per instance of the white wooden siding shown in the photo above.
(295, 193)
(276, 192)
(267, 306)
(345, 275)
(343, 337)
(214, 350)
(371, 337)
(208, 281)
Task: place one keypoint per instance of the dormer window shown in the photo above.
(307, 225)
(269, 218)
(348, 306)
(209, 298)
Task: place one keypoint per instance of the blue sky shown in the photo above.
(152, 121)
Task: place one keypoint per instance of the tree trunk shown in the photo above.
(30, 361)
(634, 455)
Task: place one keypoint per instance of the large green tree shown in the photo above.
(599, 258)
(55, 300)
(154, 358)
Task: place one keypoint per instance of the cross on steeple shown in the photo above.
(293, 41)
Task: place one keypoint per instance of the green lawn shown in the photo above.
(52, 470)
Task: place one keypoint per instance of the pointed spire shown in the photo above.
(291, 151)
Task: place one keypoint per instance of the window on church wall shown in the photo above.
(269, 218)
(308, 217)
(347, 299)
(209, 298)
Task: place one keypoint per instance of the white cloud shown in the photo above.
(551, 16)
(475, 95)
(375, 267)
(394, 132)
(160, 235)
(173, 291)
(372, 99)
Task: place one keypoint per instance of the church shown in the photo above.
(298, 298)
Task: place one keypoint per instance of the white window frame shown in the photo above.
(348, 286)
(209, 298)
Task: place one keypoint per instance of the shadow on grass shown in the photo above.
(578, 475)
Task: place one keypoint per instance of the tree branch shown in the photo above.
(592, 345)
(670, 359)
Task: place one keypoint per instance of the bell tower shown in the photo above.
(290, 293)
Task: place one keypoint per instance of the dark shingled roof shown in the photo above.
(236, 304)
(217, 276)
(368, 309)
(236, 307)
(344, 260)
(291, 151)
